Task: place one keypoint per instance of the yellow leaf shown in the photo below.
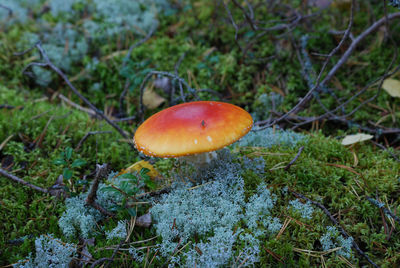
(153, 173)
(392, 86)
(351, 139)
(151, 99)
(342, 4)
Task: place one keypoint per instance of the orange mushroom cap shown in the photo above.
(192, 128)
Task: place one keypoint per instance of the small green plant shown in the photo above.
(65, 160)
(129, 185)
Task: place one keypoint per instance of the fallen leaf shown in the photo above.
(352, 139)
(392, 87)
(342, 4)
(151, 99)
(144, 220)
(153, 173)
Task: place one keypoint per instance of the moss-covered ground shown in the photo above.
(196, 39)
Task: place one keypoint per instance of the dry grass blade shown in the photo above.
(283, 228)
(314, 253)
(3, 144)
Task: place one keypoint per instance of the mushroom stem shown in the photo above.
(200, 160)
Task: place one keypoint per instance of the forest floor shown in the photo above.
(315, 183)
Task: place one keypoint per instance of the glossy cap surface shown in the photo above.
(192, 128)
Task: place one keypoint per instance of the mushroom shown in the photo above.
(192, 131)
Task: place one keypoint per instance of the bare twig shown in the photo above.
(301, 104)
(172, 92)
(10, 12)
(306, 120)
(55, 190)
(356, 42)
(125, 119)
(122, 97)
(382, 206)
(101, 171)
(6, 106)
(341, 230)
(21, 181)
(157, 193)
(47, 63)
(115, 252)
(294, 159)
(329, 115)
(140, 42)
(125, 60)
(87, 136)
(106, 259)
(386, 149)
(77, 106)
(233, 24)
(98, 262)
(39, 140)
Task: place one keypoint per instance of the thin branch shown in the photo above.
(87, 136)
(6, 106)
(125, 60)
(341, 230)
(106, 259)
(115, 252)
(248, 16)
(357, 41)
(122, 97)
(39, 140)
(382, 206)
(329, 115)
(300, 105)
(177, 65)
(47, 62)
(56, 190)
(386, 149)
(307, 120)
(101, 171)
(140, 42)
(233, 23)
(294, 159)
(77, 106)
(125, 119)
(10, 12)
(21, 181)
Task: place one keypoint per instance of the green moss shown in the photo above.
(40, 127)
(25, 211)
